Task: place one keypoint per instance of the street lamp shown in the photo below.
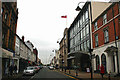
(116, 43)
(78, 8)
(90, 50)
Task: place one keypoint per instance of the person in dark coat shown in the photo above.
(15, 69)
(102, 71)
(11, 69)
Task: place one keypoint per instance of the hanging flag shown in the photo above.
(64, 16)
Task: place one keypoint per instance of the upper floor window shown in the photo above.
(80, 22)
(87, 30)
(83, 17)
(6, 15)
(104, 18)
(119, 6)
(86, 14)
(81, 37)
(1, 10)
(106, 35)
(96, 40)
(95, 26)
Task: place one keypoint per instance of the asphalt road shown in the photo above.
(47, 74)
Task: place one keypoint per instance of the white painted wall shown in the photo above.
(100, 50)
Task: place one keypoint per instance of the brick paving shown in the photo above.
(85, 75)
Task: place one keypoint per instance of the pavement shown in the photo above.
(87, 75)
(14, 76)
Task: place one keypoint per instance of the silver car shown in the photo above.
(29, 70)
(51, 67)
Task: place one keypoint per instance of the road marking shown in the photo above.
(33, 76)
(67, 75)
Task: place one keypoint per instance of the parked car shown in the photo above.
(40, 67)
(51, 67)
(29, 70)
(37, 68)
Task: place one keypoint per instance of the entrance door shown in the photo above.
(103, 57)
(97, 63)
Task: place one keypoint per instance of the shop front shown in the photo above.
(6, 61)
(79, 60)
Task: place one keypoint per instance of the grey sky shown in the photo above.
(40, 22)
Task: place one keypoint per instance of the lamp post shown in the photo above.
(90, 49)
(62, 63)
(78, 8)
(115, 42)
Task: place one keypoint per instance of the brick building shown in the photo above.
(63, 49)
(106, 39)
(9, 13)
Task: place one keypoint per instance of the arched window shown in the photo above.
(97, 63)
(103, 61)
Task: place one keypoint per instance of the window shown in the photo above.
(104, 18)
(85, 47)
(95, 26)
(96, 40)
(86, 15)
(1, 10)
(78, 25)
(88, 44)
(81, 22)
(81, 35)
(82, 46)
(6, 15)
(83, 17)
(106, 35)
(78, 36)
(119, 6)
(83, 32)
(87, 30)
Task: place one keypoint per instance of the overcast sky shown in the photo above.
(40, 22)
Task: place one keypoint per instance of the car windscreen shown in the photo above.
(30, 68)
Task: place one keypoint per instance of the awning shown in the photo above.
(76, 52)
(6, 54)
(111, 50)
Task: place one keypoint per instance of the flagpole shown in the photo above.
(66, 19)
(66, 22)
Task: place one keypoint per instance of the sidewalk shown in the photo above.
(14, 76)
(85, 75)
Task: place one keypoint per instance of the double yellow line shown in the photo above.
(68, 75)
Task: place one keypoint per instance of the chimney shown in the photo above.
(23, 38)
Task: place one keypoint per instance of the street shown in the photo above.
(46, 73)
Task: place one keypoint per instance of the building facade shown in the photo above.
(106, 39)
(9, 13)
(57, 53)
(63, 49)
(79, 39)
(80, 35)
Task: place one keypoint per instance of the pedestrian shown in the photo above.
(11, 70)
(102, 70)
(15, 69)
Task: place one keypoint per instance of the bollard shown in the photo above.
(65, 70)
(69, 71)
(109, 76)
(76, 73)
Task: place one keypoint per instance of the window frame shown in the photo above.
(96, 40)
(106, 35)
(105, 18)
(95, 26)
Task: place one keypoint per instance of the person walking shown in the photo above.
(102, 71)
(15, 69)
(11, 69)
